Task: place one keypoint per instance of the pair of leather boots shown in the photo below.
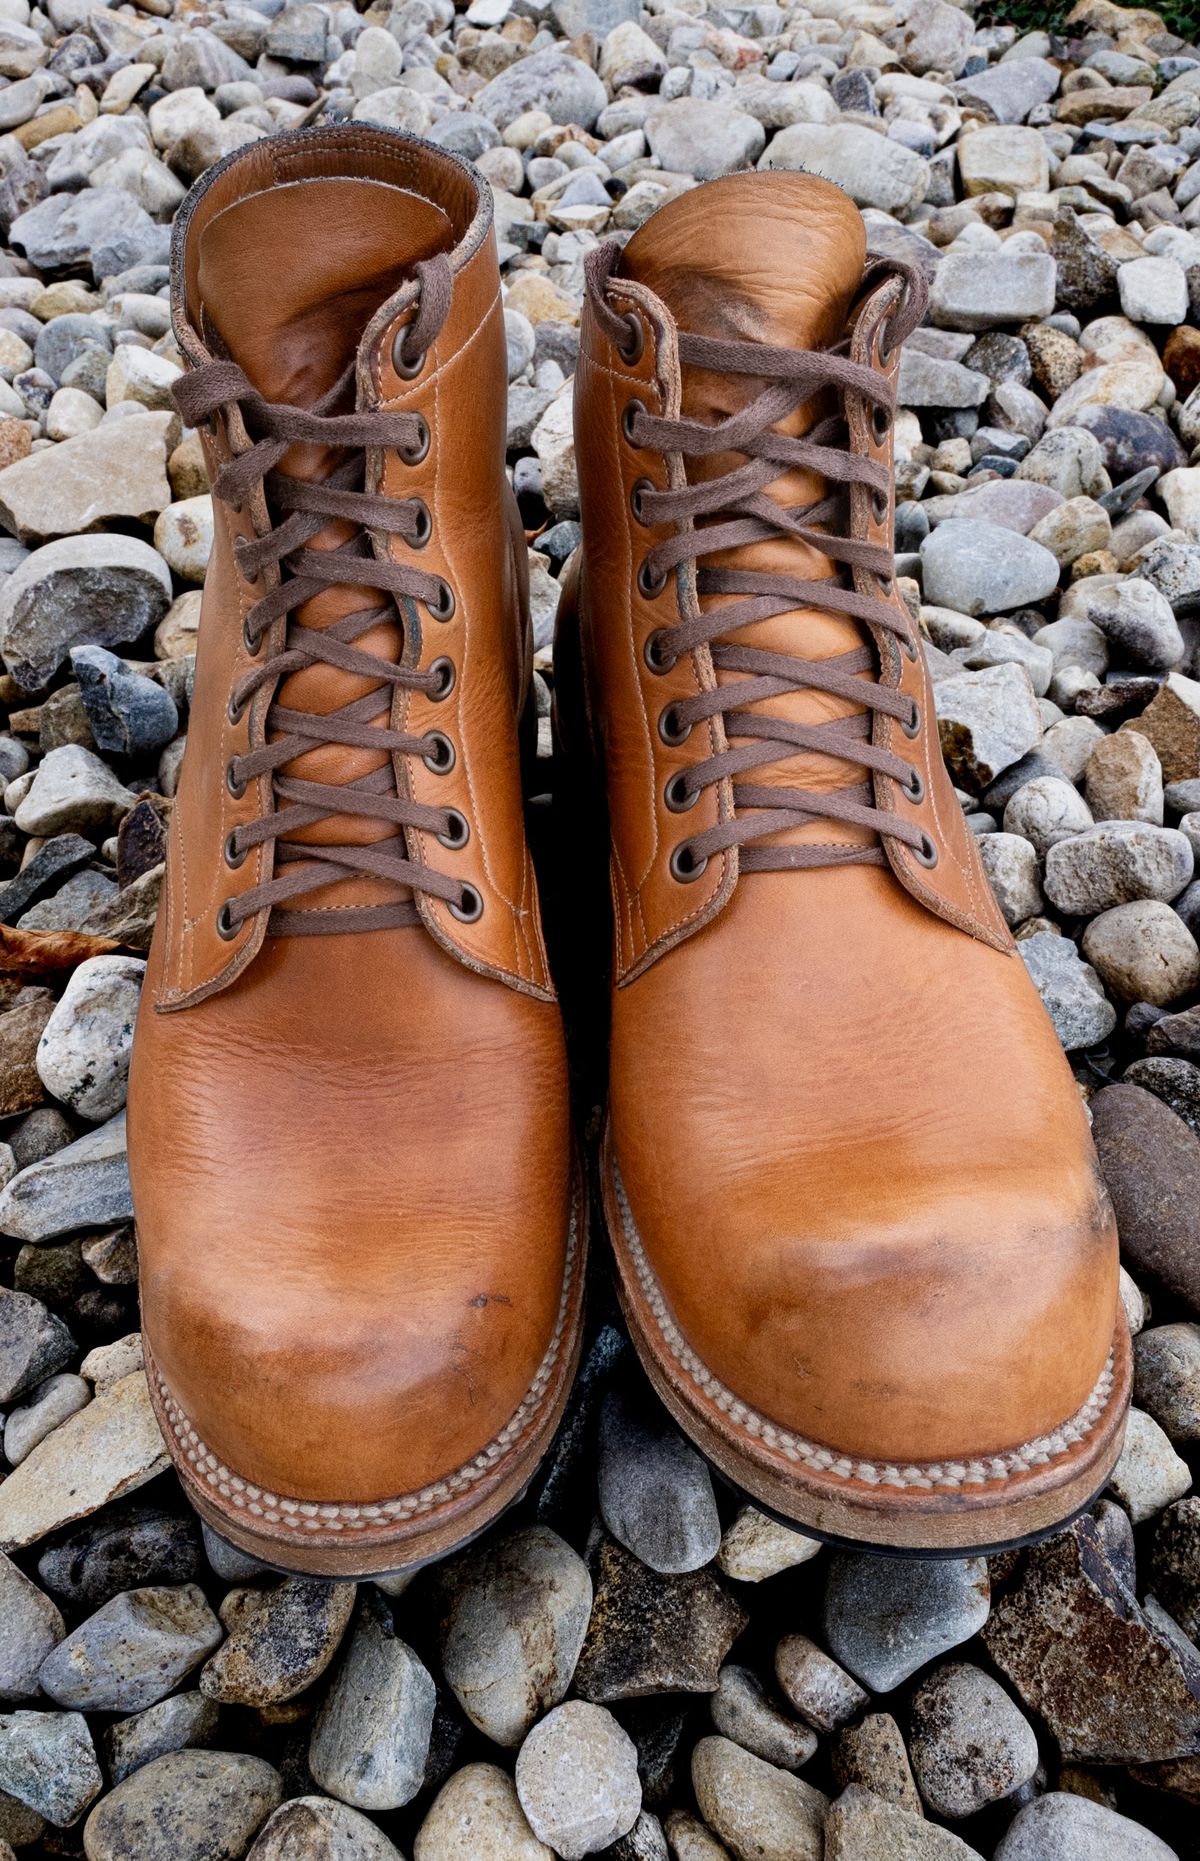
(863, 1247)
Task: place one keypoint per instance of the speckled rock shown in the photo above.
(741, 1711)
(513, 1626)
(134, 1650)
(577, 1780)
(863, 1827)
(1065, 1827)
(370, 1743)
(755, 1547)
(30, 1627)
(478, 1812)
(970, 1744)
(279, 1641)
(760, 1812)
(311, 1828)
(185, 1806)
(48, 1762)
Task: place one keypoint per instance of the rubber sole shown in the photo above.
(351, 1539)
(926, 1509)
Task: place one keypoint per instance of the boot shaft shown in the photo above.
(304, 262)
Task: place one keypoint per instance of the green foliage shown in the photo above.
(1181, 16)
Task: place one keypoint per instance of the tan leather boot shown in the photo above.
(864, 1248)
(361, 1234)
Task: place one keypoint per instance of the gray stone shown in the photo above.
(567, 89)
(755, 1547)
(102, 228)
(978, 290)
(107, 1449)
(48, 1762)
(513, 1626)
(84, 1185)
(703, 137)
(73, 792)
(311, 1828)
(279, 1640)
(57, 859)
(478, 1797)
(1010, 90)
(1143, 952)
(1139, 622)
(48, 1405)
(134, 1650)
(884, 1619)
(117, 471)
(760, 1812)
(820, 1690)
(172, 1725)
(741, 1711)
(970, 1745)
(102, 590)
(986, 721)
(1175, 1081)
(370, 1743)
(1046, 811)
(83, 1054)
(874, 170)
(1071, 991)
(1065, 1827)
(577, 1780)
(129, 714)
(30, 1627)
(873, 1754)
(1004, 645)
(863, 1827)
(122, 1548)
(1069, 461)
(34, 1343)
(936, 381)
(185, 1806)
(982, 568)
(1115, 863)
(1147, 1477)
(1167, 1378)
(656, 1494)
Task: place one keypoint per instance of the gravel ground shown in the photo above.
(633, 1664)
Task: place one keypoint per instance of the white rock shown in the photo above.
(83, 1054)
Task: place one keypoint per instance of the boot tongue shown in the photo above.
(287, 281)
(773, 258)
(288, 278)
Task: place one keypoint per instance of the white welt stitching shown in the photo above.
(312, 1515)
(928, 1474)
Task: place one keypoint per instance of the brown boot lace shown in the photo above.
(732, 509)
(302, 507)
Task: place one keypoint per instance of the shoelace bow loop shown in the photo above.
(732, 509)
(301, 508)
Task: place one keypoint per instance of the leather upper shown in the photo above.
(852, 1148)
(351, 1153)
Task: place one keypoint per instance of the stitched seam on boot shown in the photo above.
(985, 1470)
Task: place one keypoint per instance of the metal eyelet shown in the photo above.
(234, 710)
(236, 788)
(650, 586)
(446, 678)
(252, 641)
(440, 756)
(685, 867)
(226, 928)
(413, 455)
(670, 729)
(407, 371)
(469, 907)
(678, 797)
(443, 607)
(913, 727)
(635, 499)
(879, 506)
(424, 529)
(652, 652)
(908, 647)
(629, 414)
(926, 854)
(887, 588)
(914, 789)
(234, 859)
(456, 832)
(881, 422)
(633, 345)
(885, 348)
